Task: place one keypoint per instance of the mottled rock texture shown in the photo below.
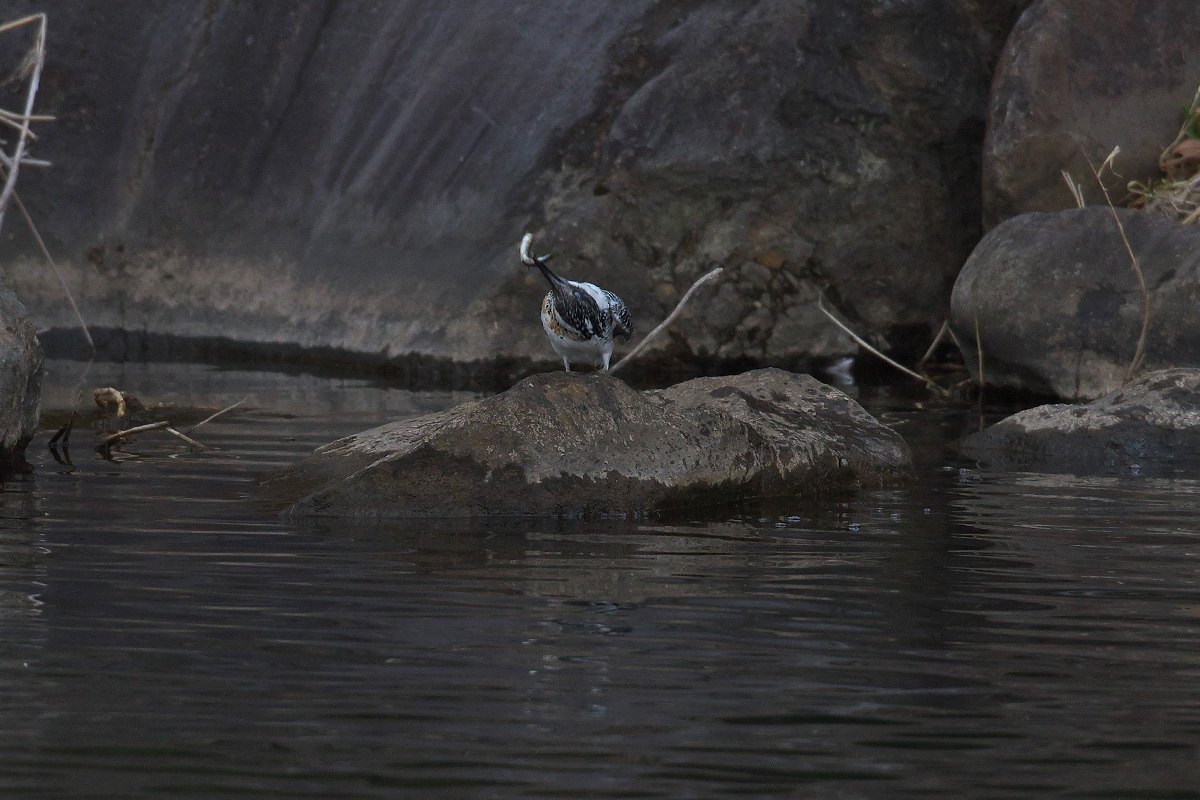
(20, 378)
(357, 174)
(1059, 307)
(568, 444)
(1149, 427)
(1076, 79)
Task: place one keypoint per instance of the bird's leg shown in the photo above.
(606, 357)
(566, 364)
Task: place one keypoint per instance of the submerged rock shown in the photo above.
(1150, 427)
(20, 377)
(1076, 79)
(572, 444)
(1058, 304)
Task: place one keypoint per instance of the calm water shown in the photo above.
(972, 636)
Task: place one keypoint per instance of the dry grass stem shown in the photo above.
(211, 417)
(941, 334)
(863, 344)
(1139, 352)
(57, 273)
(8, 26)
(1076, 189)
(979, 357)
(670, 318)
(38, 58)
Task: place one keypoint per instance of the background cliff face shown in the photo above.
(356, 174)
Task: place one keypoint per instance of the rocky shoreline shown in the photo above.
(774, 139)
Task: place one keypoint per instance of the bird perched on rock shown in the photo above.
(581, 319)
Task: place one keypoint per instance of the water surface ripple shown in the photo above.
(973, 635)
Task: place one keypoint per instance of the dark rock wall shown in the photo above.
(356, 174)
(1078, 78)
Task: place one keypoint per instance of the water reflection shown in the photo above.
(969, 636)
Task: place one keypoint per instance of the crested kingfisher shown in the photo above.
(581, 319)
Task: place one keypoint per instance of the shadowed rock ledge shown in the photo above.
(571, 445)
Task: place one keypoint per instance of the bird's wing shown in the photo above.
(622, 320)
(578, 308)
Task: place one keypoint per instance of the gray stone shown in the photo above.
(1149, 427)
(569, 444)
(1076, 79)
(356, 175)
(782, 134)
(20, 378)
(1058, 304)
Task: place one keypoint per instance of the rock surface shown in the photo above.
(1081, 77)
(1149, 427)
(1059, 306)
(20, 378)
(356, 175)
(570, 444)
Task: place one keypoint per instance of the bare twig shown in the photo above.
(5, 114)
(1139, 353)
(190, 441)
(14, 121)
(863, 343)
(941, 334)
(39, 51)
(112, 439)
(670, 318)
(211, 417)
(13, 162)
(26, 160)
(16, 23)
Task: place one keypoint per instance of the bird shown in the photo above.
(581, 319)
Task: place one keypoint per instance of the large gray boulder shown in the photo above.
(355, 175)
(1076, 79)
(20, 378)
(569, 444)
(1149, 427)
(1058, 305)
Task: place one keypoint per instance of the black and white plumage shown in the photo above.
(580, 319)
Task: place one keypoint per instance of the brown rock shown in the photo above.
(570, 444)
